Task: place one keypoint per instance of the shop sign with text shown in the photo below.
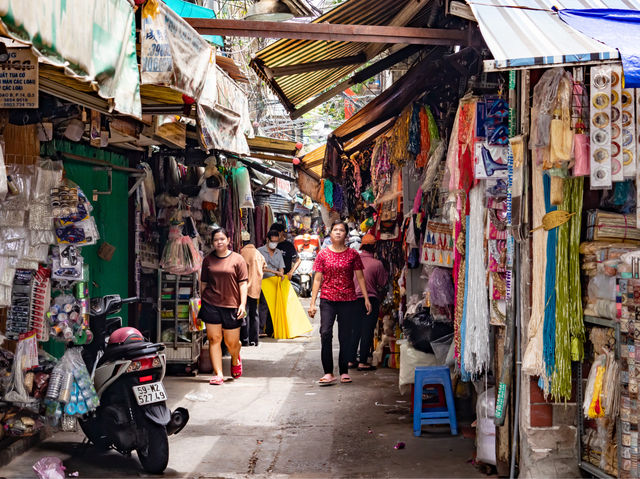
(19, 79)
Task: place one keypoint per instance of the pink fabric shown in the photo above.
(417, 201)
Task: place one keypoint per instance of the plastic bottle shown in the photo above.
(66, 387)
(55, 384)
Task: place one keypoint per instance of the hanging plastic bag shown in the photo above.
(25, 359)
(19, 183)
(242, 183)
(592, 406)
(195, 323)
(48, 176)
(180, 255)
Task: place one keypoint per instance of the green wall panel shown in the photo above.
(111, 213)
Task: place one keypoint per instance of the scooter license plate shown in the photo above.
(149, 393)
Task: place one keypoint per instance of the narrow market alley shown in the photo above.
(276, 422)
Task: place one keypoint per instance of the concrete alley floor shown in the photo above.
(276, 422)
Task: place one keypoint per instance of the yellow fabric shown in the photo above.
(595, 408)
(287, 314)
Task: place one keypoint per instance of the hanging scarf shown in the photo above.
(383, 170)
(465, 373)
(452, 154)
(357, 178)
(459, 278)
(466, 146)
(425, 140)
(328, 192)
(338, 198)
(414, 146)
(434, 134)
(399, 153)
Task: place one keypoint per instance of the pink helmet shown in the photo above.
(125, 336)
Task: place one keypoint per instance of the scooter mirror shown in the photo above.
(113, 304)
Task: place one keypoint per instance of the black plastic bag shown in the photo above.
(420, 329)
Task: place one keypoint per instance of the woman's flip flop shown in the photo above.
(345, 378)
(236, 371)
(216, 381)
(324, 381)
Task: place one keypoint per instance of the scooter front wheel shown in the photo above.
(155, 456)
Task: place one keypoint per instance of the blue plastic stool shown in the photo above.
(431, 375)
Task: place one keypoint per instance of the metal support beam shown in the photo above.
(330, 32)
(262, 156)
(359, 77)
(267, 171)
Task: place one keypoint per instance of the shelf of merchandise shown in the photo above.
(584, 465)
(177, 352)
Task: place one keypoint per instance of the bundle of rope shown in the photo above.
(549, 325)
(561, 381)
(576, 326)
(532, 362)
(603, 226)
(476, 340)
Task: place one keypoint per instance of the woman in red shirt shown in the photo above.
(335, 267)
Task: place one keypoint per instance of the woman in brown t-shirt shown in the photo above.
(223, 286)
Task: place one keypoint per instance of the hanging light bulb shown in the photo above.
(268, 11)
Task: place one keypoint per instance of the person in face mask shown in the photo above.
(274, 267)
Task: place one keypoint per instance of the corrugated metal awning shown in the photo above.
(297, 70)
(528, 33)
(279, 204)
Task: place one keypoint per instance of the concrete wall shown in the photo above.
(548, 433)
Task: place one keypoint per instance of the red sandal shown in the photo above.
(236, 371)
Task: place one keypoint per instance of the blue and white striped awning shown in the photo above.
(527, 33)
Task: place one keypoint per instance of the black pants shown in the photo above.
(251, 328)
(345, 311)
(266, 325)
(362, 331)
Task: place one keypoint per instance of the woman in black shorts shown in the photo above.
(223, 286)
